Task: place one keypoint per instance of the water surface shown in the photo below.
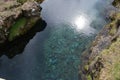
(54, 54)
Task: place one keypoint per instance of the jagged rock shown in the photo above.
(102, 57)
(116, 3)
(17, 18)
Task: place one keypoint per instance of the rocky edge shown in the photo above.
(17, 24)
(102, 61)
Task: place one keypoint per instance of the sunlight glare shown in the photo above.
(81, 22)
(2, 79)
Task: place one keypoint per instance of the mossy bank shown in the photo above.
(101, 61)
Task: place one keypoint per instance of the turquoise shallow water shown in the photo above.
(54, 54)
(62, 53)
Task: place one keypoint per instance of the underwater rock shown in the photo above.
(18, 23)
(100, 61)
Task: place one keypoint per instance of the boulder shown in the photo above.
(17, 18)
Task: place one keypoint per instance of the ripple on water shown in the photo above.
(62, 52)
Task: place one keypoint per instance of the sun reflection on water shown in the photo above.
(81, 22)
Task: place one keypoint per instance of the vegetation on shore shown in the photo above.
(111, 61)
(103, 62)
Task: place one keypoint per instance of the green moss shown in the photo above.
(89, 77)
(115, 17)
(112, 61)
(113, 48)
(16, 28)
(105, 51)
(116, 71)
(113, 29)
(30, 23)
(86, 67)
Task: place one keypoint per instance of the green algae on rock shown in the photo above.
(17, 18)
(12, 10)
(16, 28)
(21, 27)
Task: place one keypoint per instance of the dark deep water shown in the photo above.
(54, 54)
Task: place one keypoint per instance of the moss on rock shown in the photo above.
(111, 70)
(107, 48)
(16, 28)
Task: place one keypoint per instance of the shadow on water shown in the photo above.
(26, 65)
(17, 46)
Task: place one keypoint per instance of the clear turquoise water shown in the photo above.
(54, 54)
(62, 53)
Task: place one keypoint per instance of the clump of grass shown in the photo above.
(113, 27)
(16, 28)
(115, 21)
(89, 77)
(116, 71)
(111, 62)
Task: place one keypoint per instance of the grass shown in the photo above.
(116, 71)
(115, 17)
(113, 29)
(16, 28)
(89, 77)
(111, 57)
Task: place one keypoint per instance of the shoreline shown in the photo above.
(94, 60)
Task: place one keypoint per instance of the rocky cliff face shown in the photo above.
(102, 61)
(19, 21)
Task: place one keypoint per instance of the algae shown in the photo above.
(89, 77)
(16, 28)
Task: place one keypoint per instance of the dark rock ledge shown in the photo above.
(19, 22)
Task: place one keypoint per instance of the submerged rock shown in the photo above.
(17, 18)
(101, 61)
